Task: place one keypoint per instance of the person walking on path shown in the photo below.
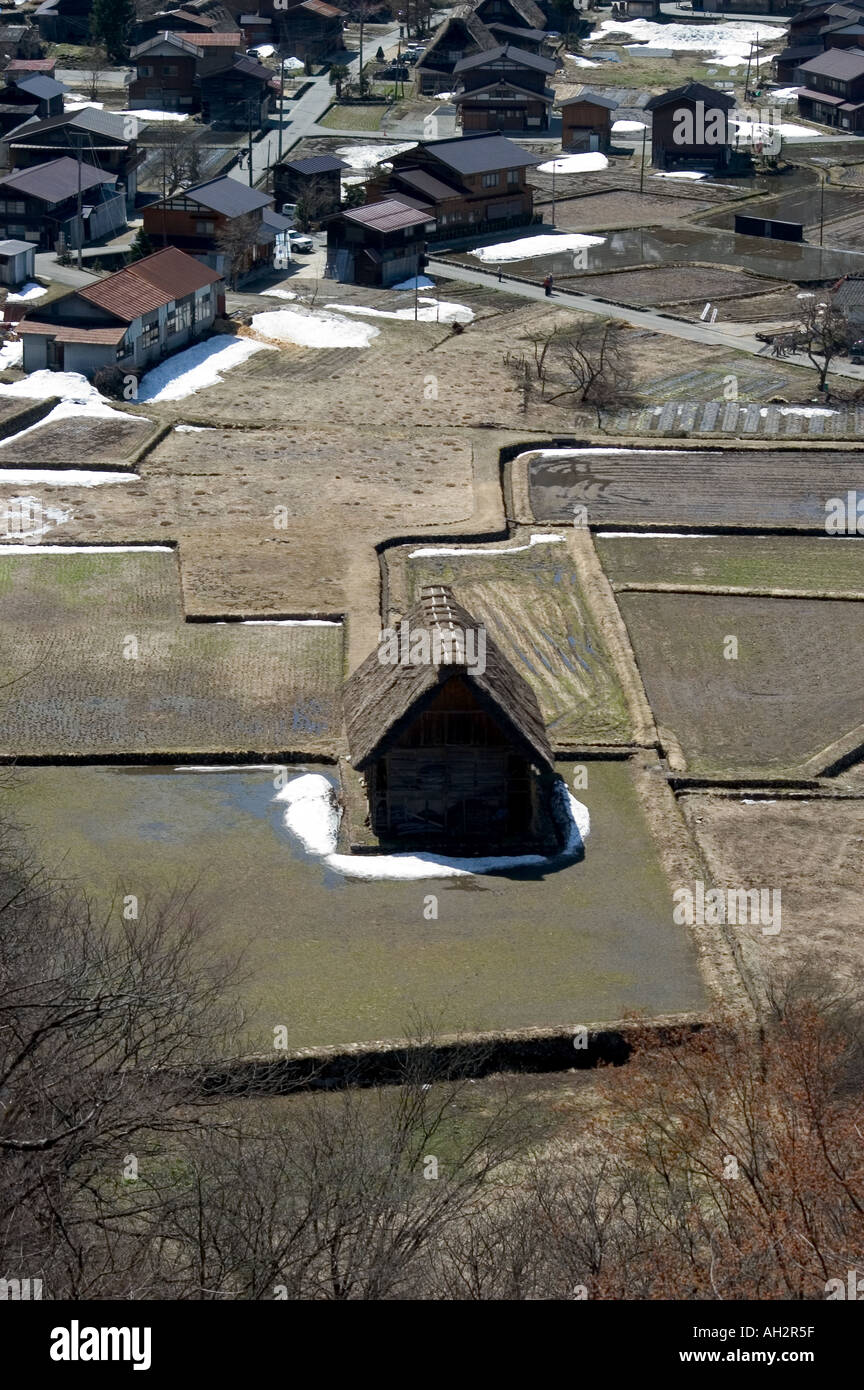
(547, 286)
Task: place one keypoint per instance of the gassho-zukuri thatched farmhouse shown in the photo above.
(450, 739)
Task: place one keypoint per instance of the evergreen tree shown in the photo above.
(142, 246)
(110, 22)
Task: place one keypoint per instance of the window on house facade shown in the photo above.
(490, 180)
(512, 175)
(150, 334)
(145, 70)
(12, 205)
(169, 69)
(179, 317)
(205, 228)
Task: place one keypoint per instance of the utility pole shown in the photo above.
(554, 162)
(642, 165)
(249, 114)
(281, 104)
(79, 218)
(821, 210)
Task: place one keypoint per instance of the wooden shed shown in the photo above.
(450, 738)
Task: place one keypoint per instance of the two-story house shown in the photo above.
(458, 37)
(504, 88)
(831, 88)
(471, 186)
(41, 204)
(195, 219)
(517, 14)
(239, 96)
(378, 245)
(690, 125)
(166, 74)
(156, 306)
(105, 139)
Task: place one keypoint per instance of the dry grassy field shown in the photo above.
(99, 661)
(820, 565)
(793, 688)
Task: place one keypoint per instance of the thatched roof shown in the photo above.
(382, 697)
(475, 27)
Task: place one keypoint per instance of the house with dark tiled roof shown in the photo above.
(831, 88)
(381, 244)
(314, 182)
(308, 28)
(64, 21)
(449, 738)
(504, 88)
(28, 94)
(458, 37)
(519, 14)
(105, 138)
(586, 121)
(41, 203)
(690, 125)
(239, 95)
(155, 306)
(471, 185)
(197, 219)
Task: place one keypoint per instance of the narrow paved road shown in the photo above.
(739, 341)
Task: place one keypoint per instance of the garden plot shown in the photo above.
(700, 488)
(793, 688)
(821, 565)
(99, 660)
(531, 600)
(809, 850)
(661, 285)
(65, 438)
(342, 961)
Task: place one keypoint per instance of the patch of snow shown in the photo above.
(276, 622)
(527, 247)
(727, 43)
(63, 477)
(11, 355)
(681, 174)
(432, 311)
(315, 328)
(70, 410)
(763, 130)
(73, 103)
(312, 815)
(279, 294)
(193, 429)
(196, 368)
(367, 156)
(417, 282)
(620, 126)
(442, 96)
(294, 65)
(483, 550)
(578, 61)
(758, 801)
(266, 50)
(69, 386)
(783, 93)
(574, 163)
(29, 291)
(157, 115)
(808, 411)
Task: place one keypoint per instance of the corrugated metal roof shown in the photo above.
(693, 91)
(319, 7)
(14, 248)
(57, 180)
(480, 154)
(314, 164)
(38, 85)
(97, 122)
(227, 196)
(842, 63)
(424, 182)
(107, 337)
(387, 216)
(149, 283)
(274, 219)
(231, 40)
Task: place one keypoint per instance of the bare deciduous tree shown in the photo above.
(235, 239)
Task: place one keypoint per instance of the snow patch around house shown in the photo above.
(312, 814)
(526, 248)
(367, 156)
(156, 115)
(575, 163)
(417, 282)
(579, 62)
(266, 50)
(39, 386)
(763, 131)
(293, 64)
(11, 355)
(783, 93)
(196, 368)
(619, 127)
(808, 411)
(73, 103)
(193, 429)
(681, 174)
(71, 410)
(279, 294)
(427, 551)
(428, 311)
(315, 328)
(276, 622)
(442, 96)
(29, 291)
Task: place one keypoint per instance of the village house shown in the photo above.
(458, 37)
(239, 97)
(166, 74)
(21, 42)
(257, 30)
(105, 139)
(40, 204)
(504, 89)
(64, 21)
(17, 263)
(199, 220)
(449, 738)
(20, 67)
(311, 29)
(378, 245)
(156, 306)
(831, 88)
(586, 121)
(180, 20)
(315, 183)
(471, 185)
(690, 125)
(26, 95)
